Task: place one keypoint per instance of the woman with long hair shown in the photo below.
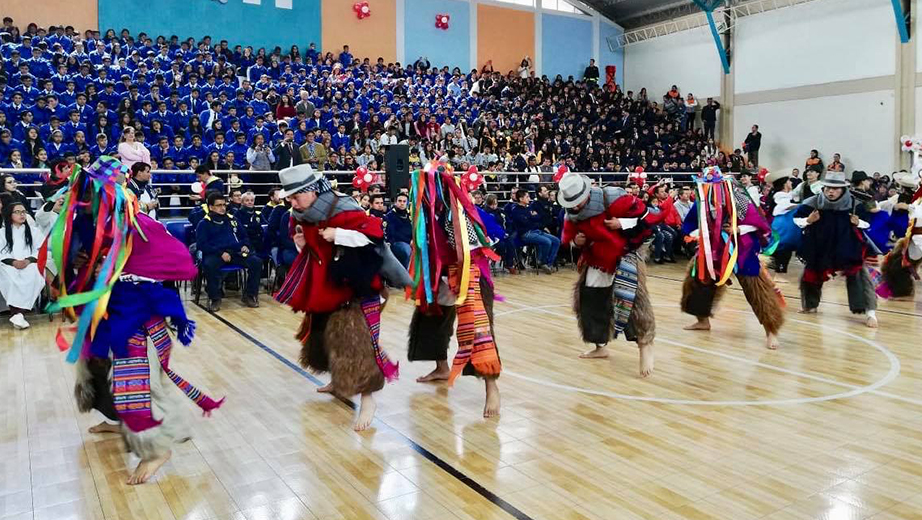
(20, 280)
(131, 151)
(285, 108)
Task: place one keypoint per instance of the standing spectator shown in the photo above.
(752, 145)
(691, 106)
(398, 232)
(709, 117)
(814, 161)
(131, 151)
(525, 68)
(592, 72)
(287, 153)
(259, 156)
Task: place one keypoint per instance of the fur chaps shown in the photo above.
(761, 295)
(594, 309)
(430, 334)
(93, 387)
(340, 343)
(898, 278)
(641, 326)
(699, 299)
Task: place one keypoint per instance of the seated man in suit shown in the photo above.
(222, 242)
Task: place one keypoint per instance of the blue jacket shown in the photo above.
(398, 227)
(219, 234)
(525, 219)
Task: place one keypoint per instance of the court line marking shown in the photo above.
(855, 390)
(428, 455)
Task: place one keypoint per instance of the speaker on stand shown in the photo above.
(397, 168)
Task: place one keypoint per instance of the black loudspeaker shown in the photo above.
(397, 168)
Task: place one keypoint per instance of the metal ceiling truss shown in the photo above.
(699, 20)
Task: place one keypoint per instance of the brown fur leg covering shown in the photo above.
(760, 293)
(430, 334)
(898, 278)
(93, 387)
(699, 299)
(314, 355)
(593, 308)
(641, 326)
(353, 368)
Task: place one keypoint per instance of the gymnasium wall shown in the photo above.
(564, 39)
(687, 59)
(370, 37)
(261, 23)
(608, 37)
(442, 47)
(505, 36)
(82, 14)
(828, 86)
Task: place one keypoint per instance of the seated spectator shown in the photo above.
(528, 221)
(20, 280)
(398, 229)
(222, 243)
(836, 164)
(665, 232)
(248, 218)
(376, 205)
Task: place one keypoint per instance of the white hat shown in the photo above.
(299, 178)
(573, 190)
(782, 173)
(906, 180)
(835, 180)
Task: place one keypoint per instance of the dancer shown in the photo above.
(781, 207)
(111, 261)
(832, 243)
(730, 231)
(336, 282)
(900, 268)
(450, 267)
(610, 297)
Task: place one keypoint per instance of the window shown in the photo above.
(561, 5)
(527, 3)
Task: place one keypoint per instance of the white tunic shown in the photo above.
(20, 287)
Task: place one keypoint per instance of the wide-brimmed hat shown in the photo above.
(777, 175)
(859, 176)
(834, 180)
(301, 178)
(573, 190)
(907, 180)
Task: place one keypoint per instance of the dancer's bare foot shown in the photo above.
(807, 311)
(871, 322)
(491, 407)
(701, 324)
(440, 373)
(146, 469)
(646, 359)
(771, 342)
(366, 413)
(105, 427)
(326, 389)
(599, 352)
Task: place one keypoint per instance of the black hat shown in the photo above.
(858, 176)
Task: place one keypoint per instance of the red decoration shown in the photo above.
(441, 21)
(471, 180)
(362, 10)
(364, 179)
(561, 171)
(639, 177)
(762, 173)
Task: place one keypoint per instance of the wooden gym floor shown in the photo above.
(827, 427)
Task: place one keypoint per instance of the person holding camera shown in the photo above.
(139, 184)
(259, 155)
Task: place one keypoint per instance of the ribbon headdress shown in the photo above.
(97, 195)
(716, 206)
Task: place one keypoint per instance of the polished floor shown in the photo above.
(829, 426)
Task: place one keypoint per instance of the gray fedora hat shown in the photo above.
(297, 179)
(573, 190)
(835, 180)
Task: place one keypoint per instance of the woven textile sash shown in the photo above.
(475, 337)
(624, 291)
(371, 309)
(131, 378)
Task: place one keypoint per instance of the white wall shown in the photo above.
(818, 42)
(858, 126)
(688, 59)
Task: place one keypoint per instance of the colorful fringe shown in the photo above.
(131, 378)
(475, 336)
(371, 309)
(625, 290)
(713, 200)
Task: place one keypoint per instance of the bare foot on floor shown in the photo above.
(366, 413)
(326, 389)
(599, 352)
(701, 324)
(771, 342)
(439, 374)
(871, 322)
(491, 407)
(105, 427)
(646, 360)
(807, 311)
(146, 469)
